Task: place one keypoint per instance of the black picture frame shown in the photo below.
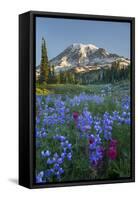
(27, 97)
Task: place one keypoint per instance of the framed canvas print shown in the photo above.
(76, 99)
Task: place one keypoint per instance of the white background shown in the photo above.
(9, 11)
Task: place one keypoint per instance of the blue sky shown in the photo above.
(60, 33)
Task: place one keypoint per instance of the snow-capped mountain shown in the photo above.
(84, 56)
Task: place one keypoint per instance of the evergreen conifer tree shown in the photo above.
(44, 63)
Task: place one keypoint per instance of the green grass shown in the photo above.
(120, 88)
(74, 89)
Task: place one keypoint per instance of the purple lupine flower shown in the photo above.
(69, 146)
(56, 166)
(56, 155)
(59, 160)
(63, 155)
(39, 177)
(61, 171)
(69, 156)
(51, 161)
(45, 153)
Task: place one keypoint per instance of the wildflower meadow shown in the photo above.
(83, 133)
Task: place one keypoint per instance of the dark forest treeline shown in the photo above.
(109, 75)
(106, 75)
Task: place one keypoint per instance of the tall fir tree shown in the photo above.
(53, 70)
(44, 63)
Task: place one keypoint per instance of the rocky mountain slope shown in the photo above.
(85, 57)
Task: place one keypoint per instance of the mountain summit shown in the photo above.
(75, 55)
(83, 55)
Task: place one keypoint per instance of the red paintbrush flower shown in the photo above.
(91, 140)
(112, 153)
(75, 116)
